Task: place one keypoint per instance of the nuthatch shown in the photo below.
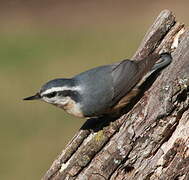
(101, 90)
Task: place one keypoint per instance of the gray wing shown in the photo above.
(125, 76)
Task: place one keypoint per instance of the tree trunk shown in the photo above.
(151, 139)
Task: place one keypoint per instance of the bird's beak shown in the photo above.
(35, 97)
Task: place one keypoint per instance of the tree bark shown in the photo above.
(151, 139)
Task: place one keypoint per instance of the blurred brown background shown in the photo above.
(42, 40)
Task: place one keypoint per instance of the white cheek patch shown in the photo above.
(46, 99)
(63, 101)
(55, 89)
(70, 106)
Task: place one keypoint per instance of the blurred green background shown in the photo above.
(42, 40)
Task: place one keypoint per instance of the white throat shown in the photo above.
(71, 107)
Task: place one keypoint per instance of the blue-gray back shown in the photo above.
(98, 90)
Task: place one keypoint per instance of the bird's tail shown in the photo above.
(155, 63)
(165, 59)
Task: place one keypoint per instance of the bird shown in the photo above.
(101, 90)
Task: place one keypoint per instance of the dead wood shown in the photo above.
(151, 139)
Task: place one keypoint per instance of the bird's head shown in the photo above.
(58, 92)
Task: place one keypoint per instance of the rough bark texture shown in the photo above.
(151, 139)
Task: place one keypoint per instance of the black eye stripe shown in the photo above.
(66, 93)
(51, 95)
(70, 93)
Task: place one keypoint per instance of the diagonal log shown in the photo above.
(150, 140)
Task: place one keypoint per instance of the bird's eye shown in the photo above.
(51, 95)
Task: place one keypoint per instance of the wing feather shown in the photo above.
(125, 75)
(128, 73)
